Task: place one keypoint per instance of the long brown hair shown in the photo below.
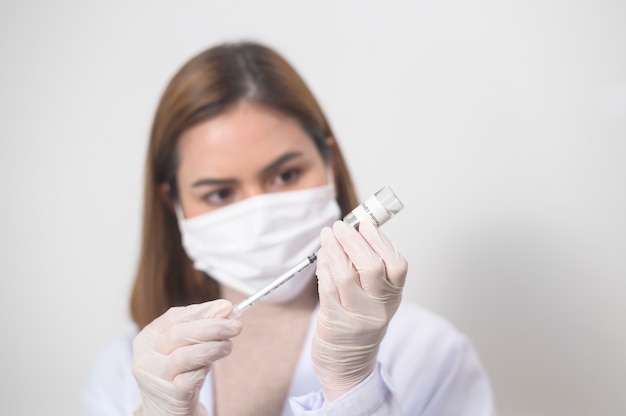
(206, 86)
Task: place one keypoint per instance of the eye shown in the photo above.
(287, 177)
(219, 197)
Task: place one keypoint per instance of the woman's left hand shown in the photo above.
(360, 276)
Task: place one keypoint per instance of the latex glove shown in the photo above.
(360, 279)
(173, 355)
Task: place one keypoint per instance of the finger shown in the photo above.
(370, 267)
(338, 282)
(189, 383)
(395, 264)
(195, 357)
(196, 332)
(343, 272)
(220, 308)
(325, 284)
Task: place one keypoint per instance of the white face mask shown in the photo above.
(250, 243)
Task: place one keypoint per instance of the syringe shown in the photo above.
(378, 208)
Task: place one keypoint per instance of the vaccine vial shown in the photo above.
(378, 209)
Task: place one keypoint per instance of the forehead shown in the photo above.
(246, 137)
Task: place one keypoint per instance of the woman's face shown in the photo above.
(246, 151)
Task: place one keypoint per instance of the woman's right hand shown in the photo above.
(173, 355)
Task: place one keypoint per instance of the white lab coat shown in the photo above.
(425, 368)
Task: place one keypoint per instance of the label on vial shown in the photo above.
(371, 209)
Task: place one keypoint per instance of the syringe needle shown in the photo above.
(244, 305)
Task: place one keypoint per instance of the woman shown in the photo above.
(244, 179)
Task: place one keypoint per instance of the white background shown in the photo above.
(500, 124)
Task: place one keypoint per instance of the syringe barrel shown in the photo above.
(378, 208)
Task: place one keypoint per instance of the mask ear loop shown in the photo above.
(330, 159)
(330, 178)
(179, 211)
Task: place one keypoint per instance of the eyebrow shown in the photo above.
(282, 159)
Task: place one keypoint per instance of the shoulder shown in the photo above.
(119, 351)
(421, 326)
(110, 384)
(421, 337)
(432, 365)
(422, 348)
